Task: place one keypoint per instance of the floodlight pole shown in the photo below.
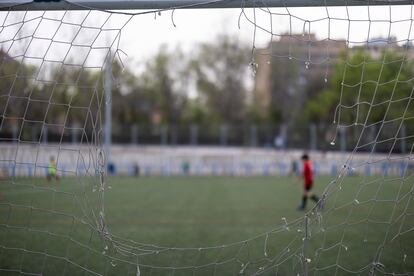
(108, 108)
(182, 4)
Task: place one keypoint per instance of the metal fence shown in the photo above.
(311, 137)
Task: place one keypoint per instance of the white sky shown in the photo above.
(145, 33)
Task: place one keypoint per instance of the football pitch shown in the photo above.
(45, 228)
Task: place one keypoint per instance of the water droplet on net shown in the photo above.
(308, 260)
(307, 64)
(404, 257)
(253, 67)
(243, 268)
(285, 226)
(356, 201)
(326, 80)
(333, 143)
(113, 263)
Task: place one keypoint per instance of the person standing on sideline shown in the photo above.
(52, 170)
(308, 182)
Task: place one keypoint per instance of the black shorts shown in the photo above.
(308, 188)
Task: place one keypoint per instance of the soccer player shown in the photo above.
(52, 170)
(308, 182)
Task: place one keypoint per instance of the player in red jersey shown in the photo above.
(308, 182)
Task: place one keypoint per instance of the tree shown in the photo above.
(364, 88)
(222, 75)
(166, 77)
(16, 85)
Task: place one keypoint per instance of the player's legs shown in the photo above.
(314, 198)
(305, 196)
(52, 176)
(307, 193)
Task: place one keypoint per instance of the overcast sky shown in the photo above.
(145, 33)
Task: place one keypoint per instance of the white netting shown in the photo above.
(49, 60)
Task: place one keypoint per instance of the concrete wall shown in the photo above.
(33, 159)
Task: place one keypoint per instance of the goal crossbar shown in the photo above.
(177, 4)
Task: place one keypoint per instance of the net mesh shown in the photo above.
(52, 61)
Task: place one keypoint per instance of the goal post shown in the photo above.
(179, 4)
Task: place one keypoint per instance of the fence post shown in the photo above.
(223, 135)
(279, 141)
(403, 133)
(44, 134)
(253, 136)
(164, 135)
(34, 138)
(372, 136)
(342, 137)
(134, 134)
(14, 133)
(312, 134)
(173, 134)
(194, 135)
(74, 133)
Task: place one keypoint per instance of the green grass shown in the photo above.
(54, 237)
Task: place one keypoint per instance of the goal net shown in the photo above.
(55, 67)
